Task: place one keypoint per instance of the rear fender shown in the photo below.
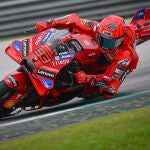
(141, 23)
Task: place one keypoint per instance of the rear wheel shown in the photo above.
(5, 94)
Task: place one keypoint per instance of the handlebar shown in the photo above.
(31, 31)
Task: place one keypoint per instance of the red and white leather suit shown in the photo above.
(123, 59)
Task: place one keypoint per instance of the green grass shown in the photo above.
(124, 131)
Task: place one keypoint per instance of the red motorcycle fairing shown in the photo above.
(14, 51)
(21, 84)
(41, 60)
(141, 23)
(17, 80)
(91, 51)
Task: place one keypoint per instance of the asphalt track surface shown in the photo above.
(138, 81)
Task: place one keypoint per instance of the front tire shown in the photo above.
(5, 94)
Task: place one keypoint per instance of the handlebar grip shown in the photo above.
(30, 31)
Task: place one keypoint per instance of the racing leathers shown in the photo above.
(123, 59)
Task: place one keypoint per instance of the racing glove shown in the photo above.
(41, 26)
(84, 78)
(98, 80)
(105, 86)
(101, 81)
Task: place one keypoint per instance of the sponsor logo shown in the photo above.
(107, 33)
(17, 46)
(86, 42)
(47, 36)
(124, 62)
(46, 73)
(115, 76)
(96, 27)
(39, 39)
(25, 47)
(47, 83)
(140, 14)
(60, 62)
(63, 56)
(10, 103)
(13, 80)
(92, 54)
(55, 58)
(124, 76)
(88, 23)
(67, 56)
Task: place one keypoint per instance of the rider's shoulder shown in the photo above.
(129, 29)
(129, 33)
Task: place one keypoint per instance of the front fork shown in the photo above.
(20, 83)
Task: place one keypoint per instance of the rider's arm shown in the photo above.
(69, 21)
(126, 58)
(73, 21)
(125, 63)
(119, 66)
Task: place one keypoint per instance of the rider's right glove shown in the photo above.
(83, 78)
(41, 26)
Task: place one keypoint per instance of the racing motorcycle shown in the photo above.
(48, 61)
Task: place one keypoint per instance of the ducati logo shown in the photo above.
(92, 54)
(86, 43)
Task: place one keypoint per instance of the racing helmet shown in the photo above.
(111, 33)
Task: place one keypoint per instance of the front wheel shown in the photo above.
(5, 94)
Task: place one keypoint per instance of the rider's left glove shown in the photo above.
(41, 26)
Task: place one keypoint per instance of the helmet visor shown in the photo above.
(108, 43)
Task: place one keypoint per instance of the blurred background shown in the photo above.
(17, 16)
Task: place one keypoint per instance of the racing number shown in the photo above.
(43, 55)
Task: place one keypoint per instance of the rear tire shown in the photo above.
(5, 94)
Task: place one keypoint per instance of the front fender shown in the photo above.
(18, 80)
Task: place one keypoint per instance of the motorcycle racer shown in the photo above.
(117, 44)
